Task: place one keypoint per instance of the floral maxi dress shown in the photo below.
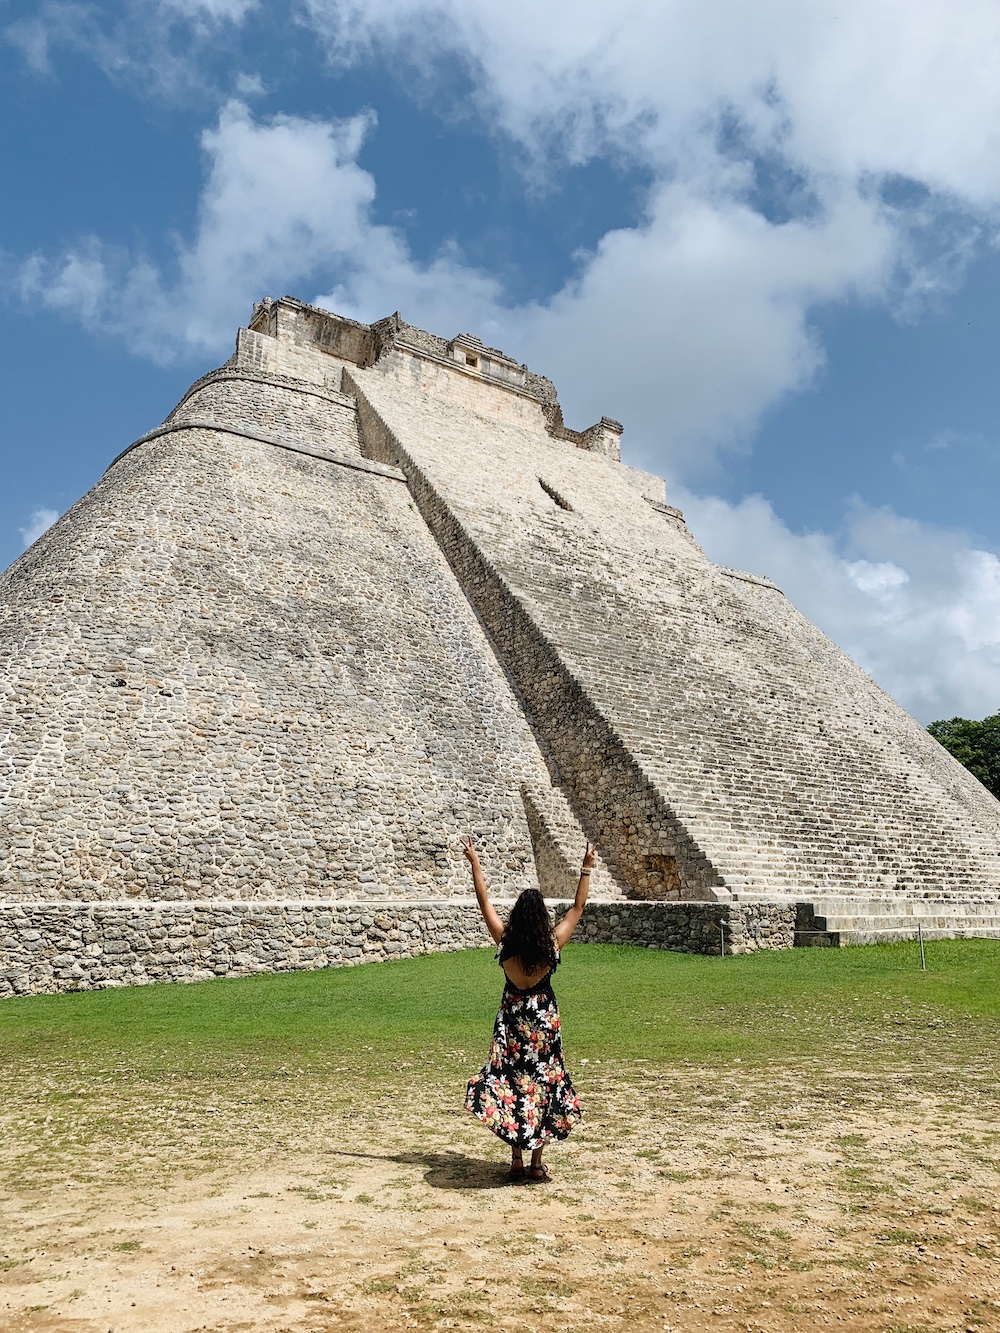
(523, 1092)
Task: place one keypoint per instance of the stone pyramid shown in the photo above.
(363, 591)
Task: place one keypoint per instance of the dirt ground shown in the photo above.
(764, 1199)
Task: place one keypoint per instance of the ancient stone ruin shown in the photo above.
(363, 591)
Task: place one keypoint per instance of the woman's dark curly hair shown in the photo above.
(528, 934)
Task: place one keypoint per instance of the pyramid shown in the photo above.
(364, 591)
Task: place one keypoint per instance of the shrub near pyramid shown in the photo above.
(363, 591)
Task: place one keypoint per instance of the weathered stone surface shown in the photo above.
(363, 591)
(54, 947)
(236, 671)
(693, 713)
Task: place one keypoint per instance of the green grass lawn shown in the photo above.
(618, 1003)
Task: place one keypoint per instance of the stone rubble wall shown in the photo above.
(56, 947)
(691, 927)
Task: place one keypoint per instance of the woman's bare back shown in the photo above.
(517, 976)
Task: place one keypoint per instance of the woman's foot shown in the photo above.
(517, 1171)
(538, 1170)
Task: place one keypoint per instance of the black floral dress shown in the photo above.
(523, 1092)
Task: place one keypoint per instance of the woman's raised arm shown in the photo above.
(493, 923)
(571, 920)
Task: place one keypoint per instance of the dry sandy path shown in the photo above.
(763, 1199)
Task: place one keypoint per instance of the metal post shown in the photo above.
(722, 934)
(920, 937)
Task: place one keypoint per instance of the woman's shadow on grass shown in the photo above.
(445, 1170)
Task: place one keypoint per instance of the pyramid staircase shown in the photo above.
(834, 920)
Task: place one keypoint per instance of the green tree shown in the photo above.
(974, 744)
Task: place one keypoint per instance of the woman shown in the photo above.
(523, 1093)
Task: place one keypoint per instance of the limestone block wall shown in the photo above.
(293, 413)
(47, 948)
(299, 350)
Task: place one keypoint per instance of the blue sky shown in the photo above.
(767, 242)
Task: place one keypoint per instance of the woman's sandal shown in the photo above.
(517, 1171)
(539, 1172)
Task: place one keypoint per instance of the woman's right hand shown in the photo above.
(469, 851)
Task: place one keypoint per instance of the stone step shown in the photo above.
(831, 921)
(824, 939)
(922, 910)
(862, 936)
(902, 922)
(901, 901)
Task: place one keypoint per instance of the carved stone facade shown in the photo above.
(364, 591)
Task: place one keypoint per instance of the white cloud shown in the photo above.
(840, 102)
(692, 324)
(859, 86)
(689, 324)
(51, 25)
(210, 12)
(76, 285)
(917, 606)
(284, 199)
(877, 578)
(250, 85)
(39, 521)
(842, 90)
(166, 47)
